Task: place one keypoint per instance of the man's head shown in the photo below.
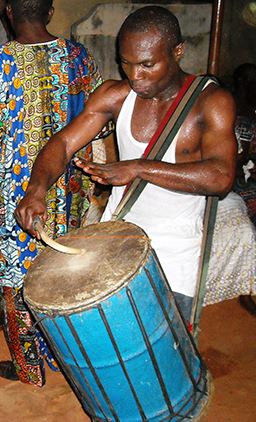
(150, 48)
(31, 10)
(149, 17)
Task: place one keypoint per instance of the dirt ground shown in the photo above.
(227, 344)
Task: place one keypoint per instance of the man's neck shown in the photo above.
(170, 93)
(32, 33)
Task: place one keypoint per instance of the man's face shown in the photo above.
(147, 62)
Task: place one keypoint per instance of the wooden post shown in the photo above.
(215, 37)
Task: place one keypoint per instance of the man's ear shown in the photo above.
(178, 51)
(50, 15)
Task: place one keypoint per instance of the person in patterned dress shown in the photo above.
(45, 82)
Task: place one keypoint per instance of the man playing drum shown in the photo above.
(200, 161)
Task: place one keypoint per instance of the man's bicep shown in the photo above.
(219, 144)
(219, 134)
(82, 130)
(98, 111)
(220, 154)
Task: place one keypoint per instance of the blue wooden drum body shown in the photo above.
(120, 341)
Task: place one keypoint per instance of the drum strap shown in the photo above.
(208, 230)
(163, 138)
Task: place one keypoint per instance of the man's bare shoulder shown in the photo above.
(114, 84)
(110, 95)
(215, 98)
(114, 89)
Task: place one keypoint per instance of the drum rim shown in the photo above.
(90, 304)
(70, 308)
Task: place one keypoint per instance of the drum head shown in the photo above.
(113, 252)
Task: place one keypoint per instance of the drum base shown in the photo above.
(200, 411)
(195, 416)
(205, 403)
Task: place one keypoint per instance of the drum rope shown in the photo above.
(119, 356)
(82, 394)
(169, 322)
(32, 329)
(150, 351)
(92, 369)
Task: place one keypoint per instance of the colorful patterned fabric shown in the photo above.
(245, 130)
(22, 341)
(245, 183)
(249, 197)
(42, 88)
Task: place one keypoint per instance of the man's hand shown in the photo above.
(28, 209)
(117, 174)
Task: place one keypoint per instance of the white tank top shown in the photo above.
(131, 148)
(173, 221)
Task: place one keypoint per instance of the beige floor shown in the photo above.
(227, 343)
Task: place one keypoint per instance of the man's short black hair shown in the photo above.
(30, 9)
(148, 17)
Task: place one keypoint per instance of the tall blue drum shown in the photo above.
(110, 318)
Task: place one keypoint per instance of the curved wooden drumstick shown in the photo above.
(37, 225)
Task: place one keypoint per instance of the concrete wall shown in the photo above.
(67, 12)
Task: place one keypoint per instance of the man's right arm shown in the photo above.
(52, 160)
